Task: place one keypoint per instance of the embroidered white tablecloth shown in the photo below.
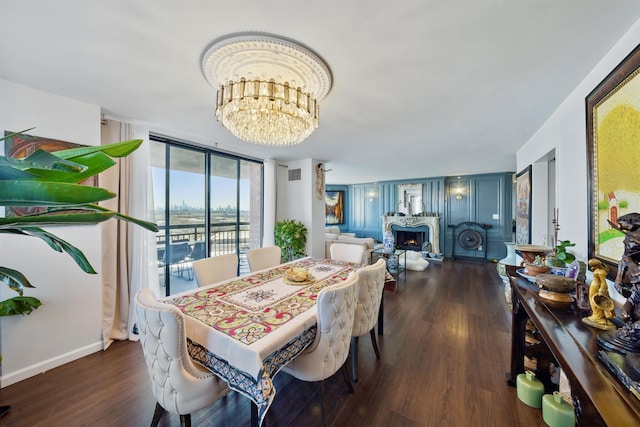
(246, 329)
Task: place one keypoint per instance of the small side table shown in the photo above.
(386, 254)
(383, 253)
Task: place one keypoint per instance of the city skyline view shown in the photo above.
(187, 189)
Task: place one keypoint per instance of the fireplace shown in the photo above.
(429, 226)
(409, 239)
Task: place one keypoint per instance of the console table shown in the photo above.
(598, 397)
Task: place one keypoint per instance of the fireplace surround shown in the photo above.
(432, 222)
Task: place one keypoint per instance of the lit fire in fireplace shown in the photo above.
(411, 240)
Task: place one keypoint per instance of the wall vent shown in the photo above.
(295, 174)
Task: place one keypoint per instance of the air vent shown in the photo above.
(295, 174)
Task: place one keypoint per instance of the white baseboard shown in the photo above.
(46, 365)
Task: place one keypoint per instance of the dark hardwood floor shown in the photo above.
(445, 351)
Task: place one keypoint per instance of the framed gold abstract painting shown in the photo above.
(613, 135)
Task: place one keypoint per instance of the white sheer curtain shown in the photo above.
(129, 251)
(270, 196)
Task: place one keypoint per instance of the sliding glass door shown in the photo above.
(199, 216)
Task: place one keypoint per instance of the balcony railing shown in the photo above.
(187, 241)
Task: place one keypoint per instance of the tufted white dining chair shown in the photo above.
(370, 287)
(330, 349)
(179, 385)
(346, 252)
(261, 258)
(215, 269)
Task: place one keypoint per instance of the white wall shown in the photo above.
(68, 325)
(296, 200)
(565, 131)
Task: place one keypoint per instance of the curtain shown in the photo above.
(270, 196)
(129, 255)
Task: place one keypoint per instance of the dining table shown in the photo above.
(247, 328)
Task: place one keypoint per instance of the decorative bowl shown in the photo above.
(534, 270)
(529, 252)
(555, 283)
(298, 274)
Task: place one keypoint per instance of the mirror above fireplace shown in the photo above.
(410, 199)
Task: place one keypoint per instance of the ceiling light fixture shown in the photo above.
(268, 87)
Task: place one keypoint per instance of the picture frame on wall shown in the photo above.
(612, 117)
(334, 207)
(523, 206)
(21, 145)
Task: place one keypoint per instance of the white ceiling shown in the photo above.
(421, 88)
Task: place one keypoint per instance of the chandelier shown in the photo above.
(268, 87)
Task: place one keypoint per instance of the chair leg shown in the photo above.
(157, 414)
(185, 420)
(374, 342)
(354, 359)
(345, 374)
(323, 410)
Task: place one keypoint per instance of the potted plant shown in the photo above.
(560, 259)
(50, 180)
(291, 236)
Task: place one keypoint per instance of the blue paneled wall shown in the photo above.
(484, 199)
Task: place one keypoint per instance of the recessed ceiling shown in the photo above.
(420, 88)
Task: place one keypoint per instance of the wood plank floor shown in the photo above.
(445, 351)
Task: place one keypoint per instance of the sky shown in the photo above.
(188, 188)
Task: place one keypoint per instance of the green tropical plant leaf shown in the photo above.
(11, 168)
(46, 160)
(35, 193)
(73, 216)
(142, 223)
(18, 305)
(11, 135)
(60, 245)
(118, 149)
(49, 180)
(14, 279)
(86, 166)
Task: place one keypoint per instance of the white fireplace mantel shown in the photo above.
(433, 222)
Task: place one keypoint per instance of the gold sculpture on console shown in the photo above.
(602, 307)
(626, 339)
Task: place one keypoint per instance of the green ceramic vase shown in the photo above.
(530, 389)
(556, 412)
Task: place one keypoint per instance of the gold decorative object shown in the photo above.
(298, 274)
(602, 308)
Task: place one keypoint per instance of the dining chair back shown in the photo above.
(215, 269)
(177, 256)
(330, 349)
(179, 385)
(261, 258)
(199, 251)
(346, 252)
(370, 287)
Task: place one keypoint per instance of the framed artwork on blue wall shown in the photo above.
(523, 206)
(334, 207)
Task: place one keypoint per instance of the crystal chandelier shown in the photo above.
(268, 87)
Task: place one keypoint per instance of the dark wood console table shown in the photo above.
(599, 398)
